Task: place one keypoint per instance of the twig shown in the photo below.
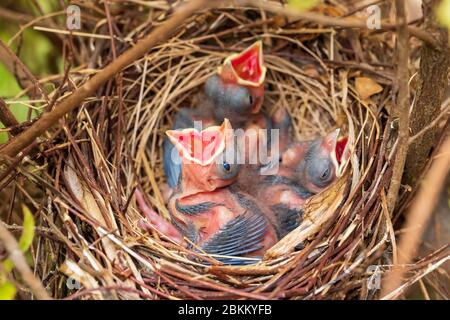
(77, 33)
(59, 91)
(81, 293)
(365, 5)
(398, 291)
(24, 68)
(14, 16)
(158, 35)
(120, 120)
(332, 21)
(8, 118)
(402, 110)
(10, 66)
(32, 22)
(419, 215)
(20, 263)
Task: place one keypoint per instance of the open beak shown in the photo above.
(338, 149)
(201, 147)
(245, 68)
(342, 150)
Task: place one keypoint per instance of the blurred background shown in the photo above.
(41, 52)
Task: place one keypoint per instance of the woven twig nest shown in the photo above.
(113, 144)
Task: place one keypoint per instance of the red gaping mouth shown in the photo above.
(246, 67)
(201, 147)
(341, 144)
(338, 149)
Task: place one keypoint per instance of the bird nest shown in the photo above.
(112, 144)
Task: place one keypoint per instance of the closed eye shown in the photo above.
(250, 99)
(325, 174)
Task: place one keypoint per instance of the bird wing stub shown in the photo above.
(242, 235)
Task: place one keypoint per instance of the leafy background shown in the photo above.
(36, 51)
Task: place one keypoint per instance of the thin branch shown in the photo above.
(8, 118)
(400, 290)
(331, 21)
(159, 34)
(13, 16)
(15, 59)
(20, 263)
(365, 5)
(401, 112)
(419, 215)
(10, 66)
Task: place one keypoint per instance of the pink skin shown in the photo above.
(196, 179)
(204, 182)
(210, 222)
(166, 192)
(201, 183)
(247, 69)
(155, 222)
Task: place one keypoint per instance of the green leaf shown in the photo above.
(7, 291)
(443, 13)
(47, 5)
(20, 111)
(37, 52)
(26, 239)
(303, 5)
(9, 88)
(8, 265)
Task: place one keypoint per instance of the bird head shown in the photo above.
(247, 69)
(324, 161)
(231, 101)
(207, 157)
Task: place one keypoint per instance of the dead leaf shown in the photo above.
(311, 71)
(367, 87)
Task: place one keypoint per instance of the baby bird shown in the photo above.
(315, 164)
(306, 168)
(247, 70)
(218, 220)
(235, 93)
